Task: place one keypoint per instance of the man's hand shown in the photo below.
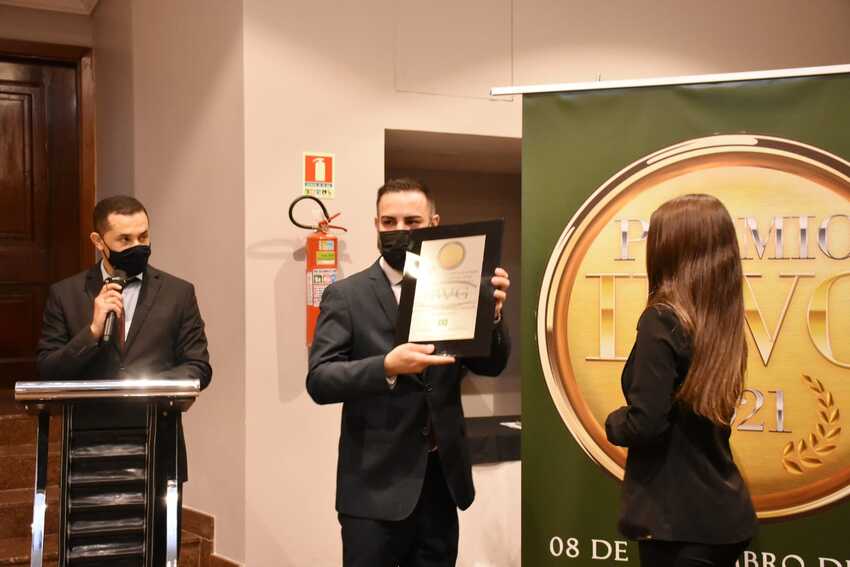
(411, 358)
(109, 299)
(501, 281)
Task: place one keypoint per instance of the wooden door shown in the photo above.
(39, 201)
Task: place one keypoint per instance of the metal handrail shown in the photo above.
(77, 390)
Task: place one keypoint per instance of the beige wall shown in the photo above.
(329, 78)
(171, 131)
(579, 40)
(45, 27)
(189, 156)
(113, 39)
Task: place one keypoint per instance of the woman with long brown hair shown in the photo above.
(684, 499)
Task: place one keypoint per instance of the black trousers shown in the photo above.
(679, 554)
(426, 538)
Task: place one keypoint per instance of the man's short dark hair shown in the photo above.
(406, 184)
(119, 204)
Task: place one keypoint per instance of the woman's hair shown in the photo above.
(694, 269)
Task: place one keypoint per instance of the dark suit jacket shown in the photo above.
(681, 482)
(166, 338)
(383, 446)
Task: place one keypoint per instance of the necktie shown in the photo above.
(121, 337)
(121, 321)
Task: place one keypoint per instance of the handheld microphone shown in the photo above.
(119, 277)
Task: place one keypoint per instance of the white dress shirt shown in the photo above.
(394, 276)
(130, 296)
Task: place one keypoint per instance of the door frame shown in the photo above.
(83, 59)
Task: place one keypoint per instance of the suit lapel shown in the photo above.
(386, 298)
(94, 282)
(147, 296)
(384, 293)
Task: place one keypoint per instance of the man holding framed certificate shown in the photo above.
(404, 467)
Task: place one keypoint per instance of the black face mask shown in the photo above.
(393, 245)
(133, 260)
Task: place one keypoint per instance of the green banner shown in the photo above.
(595, 165)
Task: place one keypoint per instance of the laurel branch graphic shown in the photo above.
(808, 453)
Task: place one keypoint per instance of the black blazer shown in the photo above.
(383, 446)
(166, 336)
(681, 483)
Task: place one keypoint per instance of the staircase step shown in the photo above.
(191, 551)
(219, 561)
(27, 449)
(16, 512)
(15, 551)
(17, 465)
(18, 428)
(7, 400)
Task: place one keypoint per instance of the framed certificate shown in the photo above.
(446, 295)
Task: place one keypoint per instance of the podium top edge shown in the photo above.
(150, 388)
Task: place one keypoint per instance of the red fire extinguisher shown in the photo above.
(322, 260)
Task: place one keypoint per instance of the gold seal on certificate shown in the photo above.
(452, 254)
(447, 299)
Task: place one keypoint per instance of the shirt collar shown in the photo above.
(392, 274)
(105, 274)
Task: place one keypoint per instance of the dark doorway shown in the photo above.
(46, 189)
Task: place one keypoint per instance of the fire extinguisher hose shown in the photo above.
(324, 225)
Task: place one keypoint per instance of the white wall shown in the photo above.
(324, 77)
(45, 27)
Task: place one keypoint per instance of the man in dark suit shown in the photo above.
(159, 331)
(403, 467)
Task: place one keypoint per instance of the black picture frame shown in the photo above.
(480, 345)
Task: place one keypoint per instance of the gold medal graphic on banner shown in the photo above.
(791, 206)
